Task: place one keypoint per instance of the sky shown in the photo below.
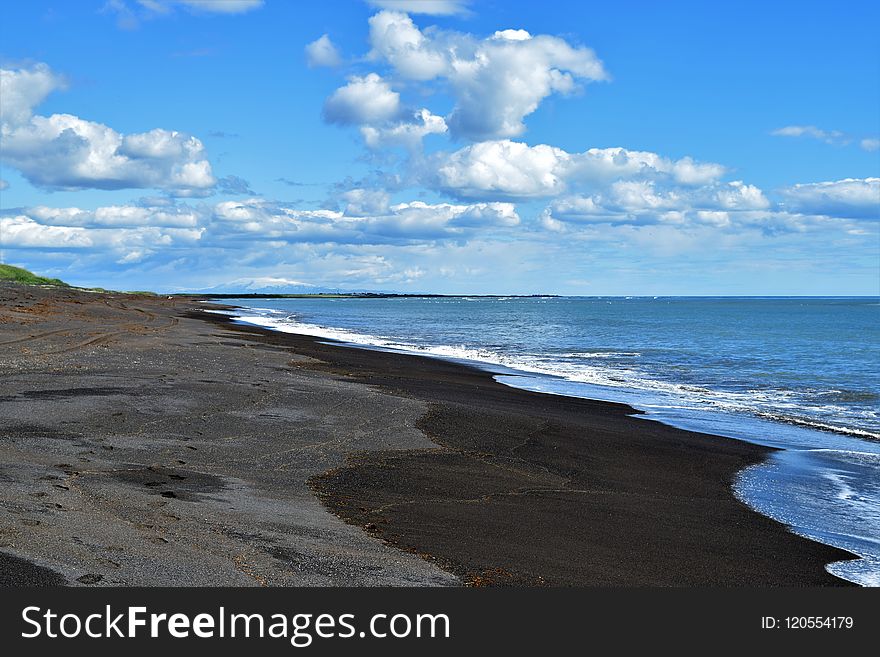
(443, 146)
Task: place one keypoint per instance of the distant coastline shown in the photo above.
(363, 295)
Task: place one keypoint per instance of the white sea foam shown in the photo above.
(864, 571)
(600, 354)
(855, 456)
(829, 495)
(776, 405)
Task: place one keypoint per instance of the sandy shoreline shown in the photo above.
(145, 442)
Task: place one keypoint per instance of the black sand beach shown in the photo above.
(144, 441)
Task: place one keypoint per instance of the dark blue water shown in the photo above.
(797, 373)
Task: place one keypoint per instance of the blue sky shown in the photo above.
(444, 146)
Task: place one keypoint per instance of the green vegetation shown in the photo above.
(19, 275)
(23, 276)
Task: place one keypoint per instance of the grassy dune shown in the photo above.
(19, 275)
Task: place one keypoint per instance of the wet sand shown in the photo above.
(144, 441)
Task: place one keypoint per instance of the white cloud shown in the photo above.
(625, 202)
(118, 216)
(395, 38)
(406, 222)
(496, 82)
(852, 198)
(640, 197)
(29, 231)
(516, 170)
(408, 133)
(23, 232)
(3, 184)
(418, 219)
(322, 52)
(505, 168)
(458, 247)
(22, 90)
(364, 100)
(370, 103)
(733, 206)
(63, 151)
(129, 234)
(365, 202)
(835, 137)
(688, 172)
(598, 164)
(512, 35)
(828, 136)
(507, 79)
(433, 7)
(717, 218)
(133, 256)
(641, 202)
(739, 196)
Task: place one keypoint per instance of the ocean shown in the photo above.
(799, 374)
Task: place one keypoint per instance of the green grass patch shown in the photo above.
(25, 277)
(19, 275)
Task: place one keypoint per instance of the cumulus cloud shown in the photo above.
(322, 52)
(396, 39)
(370, 103)
(870, 144)
(650, 202)
(854, 198)
(516, 170)
(506, 168)
(23, 89)
(433, 7)
(418, 219)
(121, 234)
(136, 233)
(405, 222)
(365, 202)
(22, 231)
(118, 216)
(739, 196)
(371, 242)
(63, 151)
(407, 133)
(508, 77)
(496, 82)
(689, 172)
(368, 99)
(730, 207)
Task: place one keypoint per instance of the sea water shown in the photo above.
(795, 373)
